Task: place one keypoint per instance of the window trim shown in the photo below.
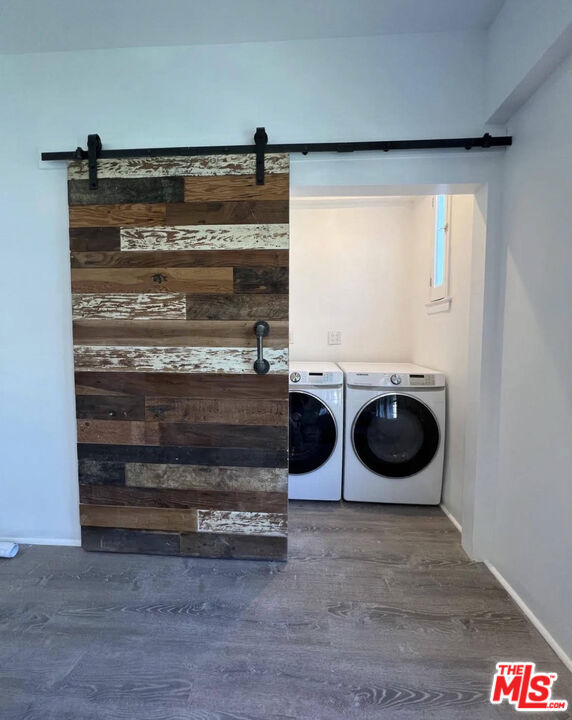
(437, 306)
(439, 299)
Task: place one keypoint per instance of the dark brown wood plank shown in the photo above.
(138, 518)
(234, 546)
(129, 541)
(173, 455)
(117, 215)
(236, 187)
(101, 473)
(223, 436)
(94, 240)
(179, 333)
(271, 281)
(174, 258)
(110, 432)
(255, 387)
(238, 307)
(235, 212)
(127, 190)
(235, 411)
(199, 280)
(110, 407)
(132, 496)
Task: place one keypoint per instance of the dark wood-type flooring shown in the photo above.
(377, 614)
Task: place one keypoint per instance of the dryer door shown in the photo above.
(313, 433)
(395, 435)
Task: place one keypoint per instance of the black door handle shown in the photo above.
(261, 330)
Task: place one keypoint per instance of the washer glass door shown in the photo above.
(313, 433)
(395, 435)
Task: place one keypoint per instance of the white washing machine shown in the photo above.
(394, 433)
(316, 431)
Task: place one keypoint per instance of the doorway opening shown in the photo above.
(405, 272)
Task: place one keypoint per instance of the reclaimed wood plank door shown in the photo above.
(182, 447)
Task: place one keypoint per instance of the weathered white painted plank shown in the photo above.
(247, 523)
(206, 237)
(194, 166)
(176, 359)
(206, 477)
(129, 306)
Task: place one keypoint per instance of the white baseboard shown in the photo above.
(452, 518)
(566, 659)
(67, 542)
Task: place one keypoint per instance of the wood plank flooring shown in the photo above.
(377, 614)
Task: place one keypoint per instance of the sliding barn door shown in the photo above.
(182, 447)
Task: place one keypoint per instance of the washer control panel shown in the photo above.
(306, 377)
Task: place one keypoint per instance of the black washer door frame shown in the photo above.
(419, 426)
(328, 431)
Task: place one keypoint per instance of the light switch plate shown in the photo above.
(334, 337)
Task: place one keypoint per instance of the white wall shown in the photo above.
(349, 271)
(531, 521)
(526, 42)
(347, 89)
(441, 340)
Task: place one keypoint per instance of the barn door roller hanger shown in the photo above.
(95, 149)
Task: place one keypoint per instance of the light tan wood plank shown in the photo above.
(128, 306)
(206, 477)
(237, 187)
(206, 237)
(234, 411)
(199, 280)
(223, 360)
(248, 523)
(195, 165)
(117, 215)
(183, 333)
(143, 518)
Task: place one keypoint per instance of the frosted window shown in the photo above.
(440, 240)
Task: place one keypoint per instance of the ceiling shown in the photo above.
(53, 25)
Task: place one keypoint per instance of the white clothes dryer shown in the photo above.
(394, 433)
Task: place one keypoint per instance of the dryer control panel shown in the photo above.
(395, 380)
